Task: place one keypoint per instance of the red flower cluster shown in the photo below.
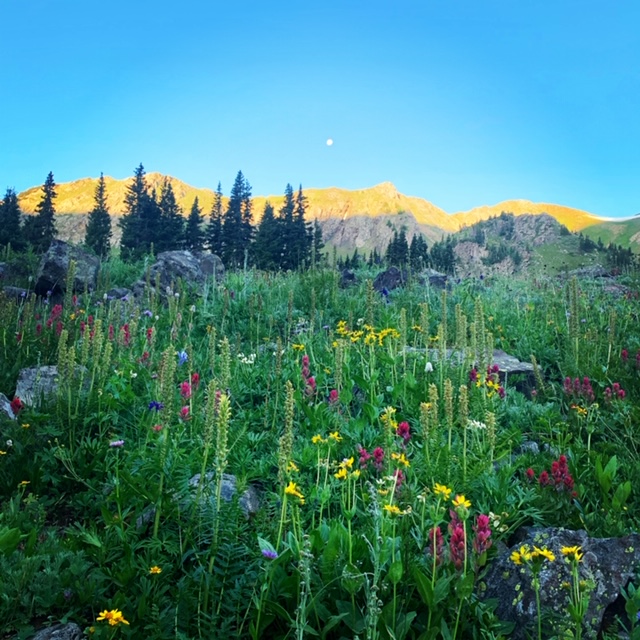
(457, 541)
(617, 393)
(482, 529)
(16, 406)
(579, 389)
(560, 478)
(404, 431)
(309, 380)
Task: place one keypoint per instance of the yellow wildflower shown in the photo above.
(573, 553)
(155, 570)
(522, 555)
(393, 509)
(25, 425)
(292, 490)
(461, 501)
(342, 474)
(402, 459)
(292, 467)
(3, 453)
(442, 491)
(347, 463)
(23, 483)
(335, 436)
(113, 617)
(297, 347)
(355, 474)
(547, 554)
(318, 439)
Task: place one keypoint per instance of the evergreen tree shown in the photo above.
(194, 234)
(418, 252)
(213, 234)
(98, 233)
(133, 243)
(286, 223)
(442, 256)
(303, 232)
(318, 244)
(10, 219)
(398, 249)
(267, 248)
(171, 230)
(40, 229)
(236, 224)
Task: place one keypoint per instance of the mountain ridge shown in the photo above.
(383, 199)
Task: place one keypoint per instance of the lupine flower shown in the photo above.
(117, 443)
(182, 357)
(155, 405)
(270, 554)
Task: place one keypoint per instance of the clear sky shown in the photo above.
(460, 102)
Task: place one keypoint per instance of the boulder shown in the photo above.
(54, 268)
(15, 293)
(69, 631)
(595, 271)
(608, 564)
(434, 278)
(389, 280)
(249, 501)
(38, 384)
(193, 269)
(5, 407)
(119, 293)
(347, 278)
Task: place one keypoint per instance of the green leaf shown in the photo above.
(9, 539)
(395, 572)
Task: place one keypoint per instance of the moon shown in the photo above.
(329, 142)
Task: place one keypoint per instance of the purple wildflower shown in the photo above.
(270, 554)
(182, 357)
(117, 443)
(154, 404)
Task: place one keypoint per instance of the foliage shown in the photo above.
(40, 229)
(98, 234)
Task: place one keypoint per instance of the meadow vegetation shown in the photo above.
(388, 475)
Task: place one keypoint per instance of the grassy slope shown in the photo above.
(624, 232)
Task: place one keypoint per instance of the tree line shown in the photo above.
(153, 222)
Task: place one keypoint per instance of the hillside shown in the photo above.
(623, 232)
(332, 203)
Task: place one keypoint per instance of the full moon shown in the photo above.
(329, 142)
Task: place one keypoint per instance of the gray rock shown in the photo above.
(54, 268)
(249, 501)
(595, 271)
(69, 631)
(347, 278)
(390, 279)
(5, 407)
(434, 278)
(608, 563)
(117, 293)
(38, 384)
(15, 293)
(193, 269)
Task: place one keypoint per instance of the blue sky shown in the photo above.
(462, 103)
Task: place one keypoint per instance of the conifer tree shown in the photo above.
(213, 233)
(171, 229)
(10, 222)
(318, 244)
(133, 243)
(418, 252)
(303, 233)
(236, 224)
(40, 229)
(98, 233)
(286, 223)
(194, 234)
(267, 248)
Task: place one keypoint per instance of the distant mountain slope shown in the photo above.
(623, 232)
(332, 203)
(573, 219)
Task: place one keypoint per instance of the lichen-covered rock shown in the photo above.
(249, 501)
(194, 269)
(69, 631)
(37, 384)
(607, 566)
(347, 278)
(5, 407)
(54, 269)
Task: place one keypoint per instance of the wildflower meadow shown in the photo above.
(279, 457)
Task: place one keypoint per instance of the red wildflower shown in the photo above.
(404, 431)
(378, 458)
(195, 380)
(458, 546)
(481, 542)
(16, 405)
(185, 390)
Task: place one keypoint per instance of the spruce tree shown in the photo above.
(98, 233)
(318, 244)
(133, 242)
(213, 233)
(286, 223)
(10, 219)
(236, 225)
(171, 229)
(303, 233)
(267, 247)
(40, 229)
(194, 234)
